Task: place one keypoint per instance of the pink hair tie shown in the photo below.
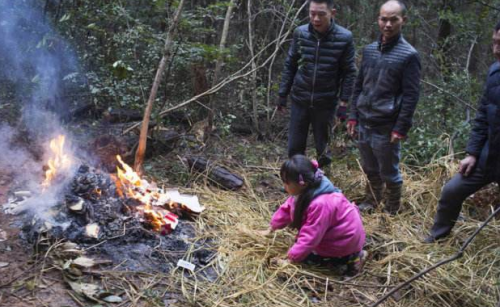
(315, 164)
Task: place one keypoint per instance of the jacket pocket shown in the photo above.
(387, 107)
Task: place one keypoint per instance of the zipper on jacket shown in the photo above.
(314, 75)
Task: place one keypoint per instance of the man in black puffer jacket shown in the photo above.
(319, 70)
(385, 97)
(481, 166)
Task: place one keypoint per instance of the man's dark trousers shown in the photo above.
(321, 121)
(452, 197)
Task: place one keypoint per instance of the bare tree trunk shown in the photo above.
(444, 44)
(141, 149)
(253, 83)
(220, 60)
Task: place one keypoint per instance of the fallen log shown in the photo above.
(122, 116)
(218, 174)
(82, 110)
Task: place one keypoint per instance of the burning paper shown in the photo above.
(186, 202)
(158, 205)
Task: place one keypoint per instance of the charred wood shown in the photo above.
(122, 116)
(218, 174)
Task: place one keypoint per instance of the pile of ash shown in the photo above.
(95, 217)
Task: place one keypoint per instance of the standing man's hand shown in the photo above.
(467, 165)
(396, 137)
(351, 127)
(342, 112)
(281, 106)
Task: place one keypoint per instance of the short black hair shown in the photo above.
(497, 27)
(404, 9)
(329, 3)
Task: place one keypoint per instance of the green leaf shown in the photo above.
(36, 79)
(65, 17)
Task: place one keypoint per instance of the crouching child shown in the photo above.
(330, 229)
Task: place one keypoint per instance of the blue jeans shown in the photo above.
(379, 157)
(321, 122)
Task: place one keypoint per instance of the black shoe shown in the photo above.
(429, 240)
(432, 239)
(391, 211)
(366, 207)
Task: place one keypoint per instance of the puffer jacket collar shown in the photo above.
(318, 35)
(387, 46)
(494, 69)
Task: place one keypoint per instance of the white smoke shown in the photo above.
(33, 61)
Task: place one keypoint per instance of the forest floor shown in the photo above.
(244, 273)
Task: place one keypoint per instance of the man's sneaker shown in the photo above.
(355, 266)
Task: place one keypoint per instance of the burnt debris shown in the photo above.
(93, 215)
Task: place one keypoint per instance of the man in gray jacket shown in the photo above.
(385, 96)
(319, 70)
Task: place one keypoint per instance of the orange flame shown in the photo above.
(58, 162)
(129, 184)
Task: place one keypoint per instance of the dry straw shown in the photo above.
(246, 277)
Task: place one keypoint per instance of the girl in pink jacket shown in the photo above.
(330, 230)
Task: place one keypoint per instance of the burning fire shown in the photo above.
(58, 162)
(129, 184)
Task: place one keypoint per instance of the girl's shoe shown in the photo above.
(355, 266)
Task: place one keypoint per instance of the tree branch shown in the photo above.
(235, 76)
(488, 5)
(450, 94)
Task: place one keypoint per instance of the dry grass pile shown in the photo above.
(246, 277)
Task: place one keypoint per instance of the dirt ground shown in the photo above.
(21, 281)
(25, 279)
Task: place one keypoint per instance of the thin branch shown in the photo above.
(459, 254)
(488, 5)
(451, 94)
